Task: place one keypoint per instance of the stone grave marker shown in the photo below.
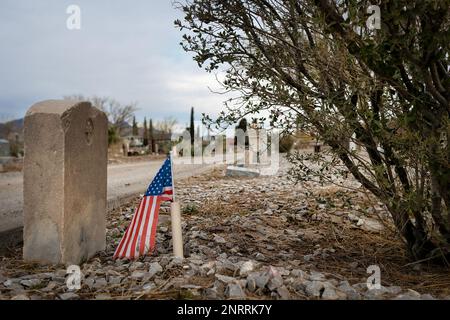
(65, 181)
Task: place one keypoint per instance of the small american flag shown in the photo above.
(139, 239)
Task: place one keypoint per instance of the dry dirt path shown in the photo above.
(124, 180)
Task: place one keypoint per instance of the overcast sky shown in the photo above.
(128, 50)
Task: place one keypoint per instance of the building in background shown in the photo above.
(5, 148)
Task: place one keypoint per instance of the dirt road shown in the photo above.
(123, 180)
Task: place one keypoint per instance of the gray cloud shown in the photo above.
(128, 50)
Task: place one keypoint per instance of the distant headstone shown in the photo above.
(65, 174)
(236, 171)
(4, 148)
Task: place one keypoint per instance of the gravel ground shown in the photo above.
(247, 238)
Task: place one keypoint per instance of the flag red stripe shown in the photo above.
(132, 248)
(125, 238)
(133, 229)
(154, 225)
(144, 231)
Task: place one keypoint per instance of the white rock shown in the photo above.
(50, 286)
(89, 282)
(394, 289)
(154, 269)
(372, 294)
(30, 283)
(234, 291)
(314, 288)
(115, 280)
(283, 292)
(427, 296)
(317, 276)
(246, 268)
(260, 257)
(409, 295)
(176, 261)
(298, 273)
(20, 297)
(251, 284)
(69, 296)
(352, 293)
(275, 282)
(262, 280)
(219, 239)
(207, 267)
(212, 293)
(308, 257)
(8, 283)
(330, 293)
(371, 225)
(224, 279)
(138, 275)
(149, 286)
(100, 283)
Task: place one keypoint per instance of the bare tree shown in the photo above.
(118, 114)
(166, 126)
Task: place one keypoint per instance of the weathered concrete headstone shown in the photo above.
(65, 174)
(235, 171)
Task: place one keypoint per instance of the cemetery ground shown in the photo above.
(247, 238)
(127, 176)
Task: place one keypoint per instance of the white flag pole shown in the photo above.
(171, 169)
(175, 213)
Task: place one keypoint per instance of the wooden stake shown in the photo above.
(177, 238)
(175, 214)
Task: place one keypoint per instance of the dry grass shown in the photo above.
(354, 248)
